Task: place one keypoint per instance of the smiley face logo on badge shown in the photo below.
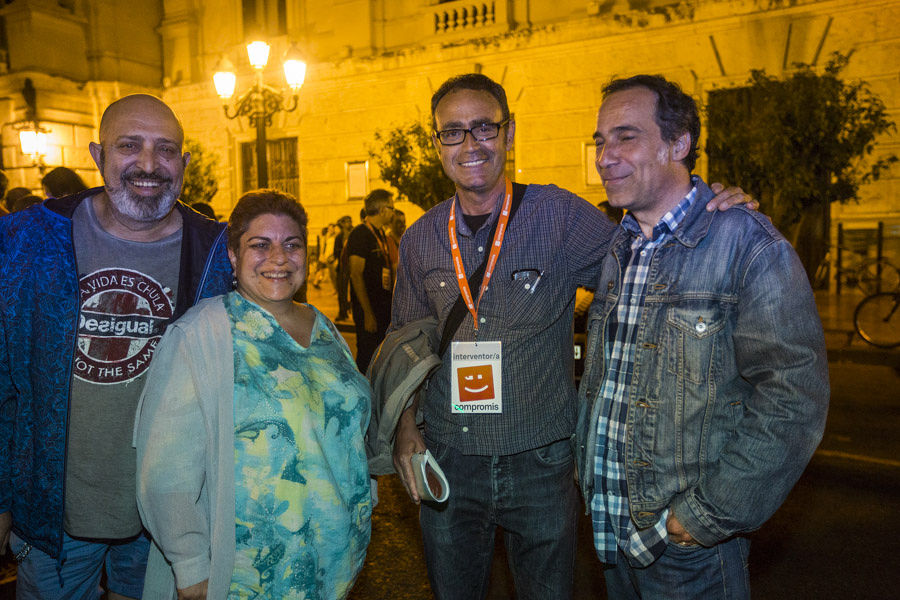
(475, 383)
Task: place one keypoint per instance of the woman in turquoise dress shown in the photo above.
(252, 475)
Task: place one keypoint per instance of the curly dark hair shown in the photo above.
(676, 112)
(264, 202)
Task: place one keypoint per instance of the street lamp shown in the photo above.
(261, 102)
(33, 143)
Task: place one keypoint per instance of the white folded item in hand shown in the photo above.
(430, 480)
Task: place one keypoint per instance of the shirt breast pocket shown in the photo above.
(694, 330)
(526, 301)
(442, 291)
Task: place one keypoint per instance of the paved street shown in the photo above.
(838, 535)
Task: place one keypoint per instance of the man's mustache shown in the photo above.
(158, 176)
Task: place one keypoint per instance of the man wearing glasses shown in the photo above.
(500, 410)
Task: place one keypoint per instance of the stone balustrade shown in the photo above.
(464, 16)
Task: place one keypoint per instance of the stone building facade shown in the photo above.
(373, 65)
(74, 57)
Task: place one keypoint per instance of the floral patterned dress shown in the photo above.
(302, 497)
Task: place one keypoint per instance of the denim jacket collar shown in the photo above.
(693, 228)
(695, 225)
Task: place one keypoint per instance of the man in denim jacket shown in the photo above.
(706, 384)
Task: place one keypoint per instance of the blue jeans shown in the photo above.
(79, 579)
(531, 495)
(685, 573)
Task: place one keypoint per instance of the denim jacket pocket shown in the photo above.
(692, 327)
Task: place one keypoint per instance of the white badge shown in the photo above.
(475, 378)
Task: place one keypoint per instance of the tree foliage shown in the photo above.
(200, 183)
(798, 144)
(408, 162)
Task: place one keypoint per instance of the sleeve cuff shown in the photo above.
(190, 572)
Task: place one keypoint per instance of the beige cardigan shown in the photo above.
(184, 435)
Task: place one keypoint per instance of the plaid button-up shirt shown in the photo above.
(554, 235)
(613, 526)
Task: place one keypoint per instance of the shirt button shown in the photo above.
(481, 320)
(443, 284)
(465, 430)
(481, 248)
(643, 253)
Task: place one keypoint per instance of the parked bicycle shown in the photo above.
(877, 319)
(869, 275)
(877, 275)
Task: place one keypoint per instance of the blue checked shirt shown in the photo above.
(555, 235)
(613, 526)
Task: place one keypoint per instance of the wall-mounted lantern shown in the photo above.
(33, 143)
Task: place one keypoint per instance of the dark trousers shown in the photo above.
(343, 291)
(685, 573)
(531, 495)
(367, 343)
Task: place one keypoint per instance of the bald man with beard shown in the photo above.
(88, 283)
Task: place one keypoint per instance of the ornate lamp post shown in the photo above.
(261, 102)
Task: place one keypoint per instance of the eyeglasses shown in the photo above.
(529, 277)
(480, 133)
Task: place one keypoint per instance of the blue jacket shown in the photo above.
(729, 392)
(39, 308)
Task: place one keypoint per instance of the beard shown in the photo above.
(143, 209)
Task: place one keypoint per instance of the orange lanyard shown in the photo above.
(497, 242)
